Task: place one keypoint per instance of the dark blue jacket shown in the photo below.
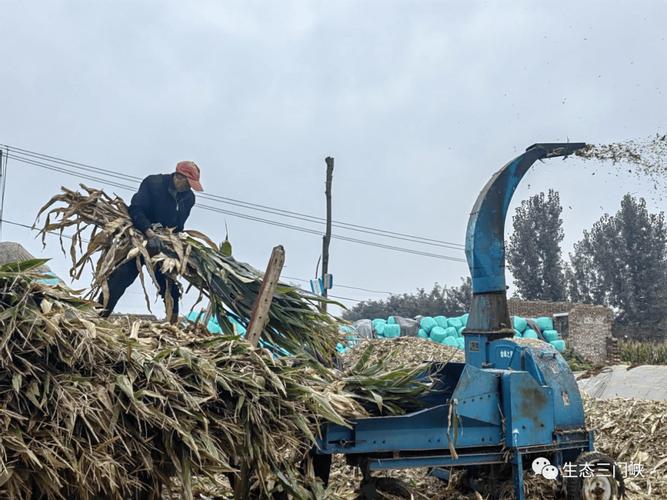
(157, 201)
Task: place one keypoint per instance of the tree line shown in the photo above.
(620, 262)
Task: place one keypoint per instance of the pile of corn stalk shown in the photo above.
(295, 324)
(89, 407)
(634, 433)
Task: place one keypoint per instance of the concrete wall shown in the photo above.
(585, 329)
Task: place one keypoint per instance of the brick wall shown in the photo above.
(590, 327)
(535, 308)
(586, 329)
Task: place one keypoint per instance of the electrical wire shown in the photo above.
(253, 206)
(238, 214)
(26, 226)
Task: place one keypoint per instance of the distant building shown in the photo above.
(585, 328)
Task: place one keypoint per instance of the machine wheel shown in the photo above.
(605, 483)
(371, 487)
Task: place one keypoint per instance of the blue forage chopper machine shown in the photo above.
(512, 401)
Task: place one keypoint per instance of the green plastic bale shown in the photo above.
(392, 331)
(441, 321)
(451, 342)
(427, 323)
(545, 323)
(379, 329)
(517, 334)
(422, 334)
(558, 344)
(530, 334)
(464, 319)
(438, 334)
(346, 329)
(519, 323)
(459, 331)
(461, 343)
(550, 335)
(451, 331)
(454, 323)
(391, 320)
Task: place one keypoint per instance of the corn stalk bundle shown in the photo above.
(295, 323)
(90, 407)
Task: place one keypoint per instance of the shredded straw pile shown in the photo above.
(403, 352)
(633, 432)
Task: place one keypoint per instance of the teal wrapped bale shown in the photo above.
(441, 321)
(454, 323)
(391, 320)
(545, 323)
(517, 334)
(392, 331)
(459, 331)
(464, 319)
(519, 323)
(461, 343)
(530, 334)
(438, 334)
(422, 334)
(427, 323)
(559, 345)
(450, 341)
(550, 335)
(450, 331)
(379, 329)
(378, 321)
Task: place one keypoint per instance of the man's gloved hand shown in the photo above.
(154, 245)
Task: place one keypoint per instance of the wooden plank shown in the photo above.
(260, 310)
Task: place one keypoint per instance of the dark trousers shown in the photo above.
(124, 276)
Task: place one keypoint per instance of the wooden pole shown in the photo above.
(327, 235)
(260, 310)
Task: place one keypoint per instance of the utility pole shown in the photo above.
(327, 235)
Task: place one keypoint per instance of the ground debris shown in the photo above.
(634, 433)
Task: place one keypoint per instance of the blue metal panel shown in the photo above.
(528, 410)
(420, 431)
(437, 461)
(567, 402)
(476, 396)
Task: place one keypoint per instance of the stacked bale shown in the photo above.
(538, 328)
(449, 331)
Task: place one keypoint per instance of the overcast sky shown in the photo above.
(419, 103)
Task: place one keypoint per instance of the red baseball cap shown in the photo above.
(191, 171)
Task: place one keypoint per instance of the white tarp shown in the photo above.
(640, 382)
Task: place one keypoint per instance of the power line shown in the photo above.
(26, 226)
(253, 206)
(11, 222)
(241, 215)
(343, 286)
